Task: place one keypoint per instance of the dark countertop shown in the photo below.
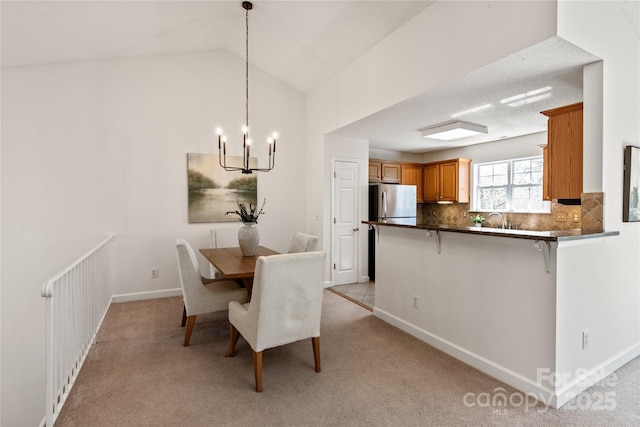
(552, 236)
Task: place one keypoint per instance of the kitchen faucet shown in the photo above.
(504, 224)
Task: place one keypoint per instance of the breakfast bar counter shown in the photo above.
(510, 303)
(552, 235)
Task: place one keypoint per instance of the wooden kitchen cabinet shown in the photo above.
(375, 172)
(563, 176)
(384, 171)
(447, 181)
(431, 175)
(411, 174)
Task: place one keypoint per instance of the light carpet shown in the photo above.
(139, 374)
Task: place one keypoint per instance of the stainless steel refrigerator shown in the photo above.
(392, 203)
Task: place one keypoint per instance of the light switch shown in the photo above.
(575, 216)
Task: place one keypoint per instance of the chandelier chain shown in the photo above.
(246, 63)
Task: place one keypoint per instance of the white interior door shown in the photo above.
(346, 222)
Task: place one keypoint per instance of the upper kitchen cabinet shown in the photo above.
(564, 152)
(384, 171)
(411, 174)
(447, 181)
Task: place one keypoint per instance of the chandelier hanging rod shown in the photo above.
(246, 141)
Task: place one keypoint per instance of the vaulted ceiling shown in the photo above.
(302, 43)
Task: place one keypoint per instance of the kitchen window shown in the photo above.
(510, 186)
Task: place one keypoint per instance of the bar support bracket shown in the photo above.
(430, 234)
(544, 247)
(377, 230)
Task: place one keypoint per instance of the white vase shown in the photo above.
(248, 238)
(478, 224)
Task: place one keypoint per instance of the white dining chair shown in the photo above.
(222, 238)
(285, 306)
(200, 294)
(302, 242)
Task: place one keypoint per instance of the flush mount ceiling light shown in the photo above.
(453, 130)
(246, 142)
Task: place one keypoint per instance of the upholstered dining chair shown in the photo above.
(222, 238)
(302, 242)
(285, 306)
(201, 294)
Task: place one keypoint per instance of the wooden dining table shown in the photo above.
(232, 264)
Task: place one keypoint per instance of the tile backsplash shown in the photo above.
(593, 212)
(587, 216)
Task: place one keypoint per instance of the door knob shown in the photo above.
(356, 228)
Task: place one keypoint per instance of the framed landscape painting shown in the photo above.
(214, 191)
(630, 208)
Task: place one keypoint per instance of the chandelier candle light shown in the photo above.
(246, 142)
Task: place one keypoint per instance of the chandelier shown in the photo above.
(246, 141)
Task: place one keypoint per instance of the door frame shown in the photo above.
(332, 213)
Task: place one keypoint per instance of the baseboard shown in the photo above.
(139, 296)
(329, 283)
(596, 374)
(548, 397)
(482, 364)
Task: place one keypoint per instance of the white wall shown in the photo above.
(594, 295)
(203, 91)
(321, 116)
(608, 30)
(504, 149)
(99, 147)
(58, 200)
(397, 156)
(592, 141)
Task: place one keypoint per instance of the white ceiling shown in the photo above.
(554, 64)
(303, 43)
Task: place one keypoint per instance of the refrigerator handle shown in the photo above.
(384, 204)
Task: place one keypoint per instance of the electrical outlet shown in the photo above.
(561, 216)
(465, 214)
(433, 213)
(154, 273)
(415, 301)
(585, 340)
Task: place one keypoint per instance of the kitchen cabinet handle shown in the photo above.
(356, 228)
